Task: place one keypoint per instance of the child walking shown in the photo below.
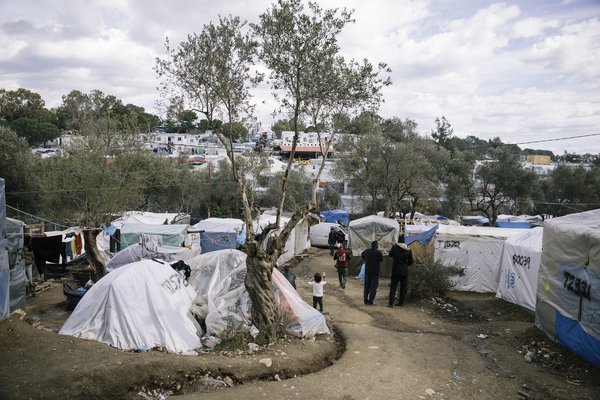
(317, 283)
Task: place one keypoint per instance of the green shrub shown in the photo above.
(428, 277)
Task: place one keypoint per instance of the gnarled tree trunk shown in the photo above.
(258, 281)
(93, 255)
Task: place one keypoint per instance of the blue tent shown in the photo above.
(513, 224)
(336, 215)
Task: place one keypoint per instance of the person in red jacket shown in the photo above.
(341, 257)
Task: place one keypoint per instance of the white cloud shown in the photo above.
(501, 69)
(575, 50)
(532, 27)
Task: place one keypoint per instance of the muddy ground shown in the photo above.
(465, 346)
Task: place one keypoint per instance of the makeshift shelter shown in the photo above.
(365, 230)
(568, 304)
(221, 233)
(519, 267)
(474, 252)
(138, 306)
(172, 235)
(103, 240)
(336, 216)
(222, 301)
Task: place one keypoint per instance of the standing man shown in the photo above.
(402, 258)
(373, 259)
(332, 240)
(341, 257)
(341, 237)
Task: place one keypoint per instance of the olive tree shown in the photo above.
(499, 183)
(99, 176)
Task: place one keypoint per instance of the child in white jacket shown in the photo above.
(317, 285)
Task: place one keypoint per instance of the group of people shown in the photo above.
(402, 258)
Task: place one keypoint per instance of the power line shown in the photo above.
(531, 141)
(36, 217)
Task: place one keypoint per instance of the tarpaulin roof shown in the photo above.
(336, 215)
(364, 230)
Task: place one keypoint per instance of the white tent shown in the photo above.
(519, 266)
(138, 306)
(232, 225)
(475, 252)
(568, 305)
(222, 301)
(365, 230)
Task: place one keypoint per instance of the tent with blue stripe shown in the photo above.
(568, 304)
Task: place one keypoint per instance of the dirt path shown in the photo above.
(418, 351)
(428, 352)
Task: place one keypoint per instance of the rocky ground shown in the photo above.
(465, 346)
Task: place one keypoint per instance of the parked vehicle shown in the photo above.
(320, 232)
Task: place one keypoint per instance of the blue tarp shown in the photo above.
(513, 224)
(423, 237)
(336, 215)
(571, 335)
(213, 241)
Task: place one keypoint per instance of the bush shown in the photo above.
(428, 277)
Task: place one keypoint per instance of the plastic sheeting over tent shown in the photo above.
(222, 299)
(138, 306)
(364, 230)
(568, 304)
(137, 252)
(475, 252)
(336, 216)
(519, 267)
(150, 218)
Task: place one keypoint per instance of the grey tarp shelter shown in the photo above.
(363, 231)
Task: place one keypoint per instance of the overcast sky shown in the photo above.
(520, 70)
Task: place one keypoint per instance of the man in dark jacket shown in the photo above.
(402, 258)
(332, 240)
(373, 259)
